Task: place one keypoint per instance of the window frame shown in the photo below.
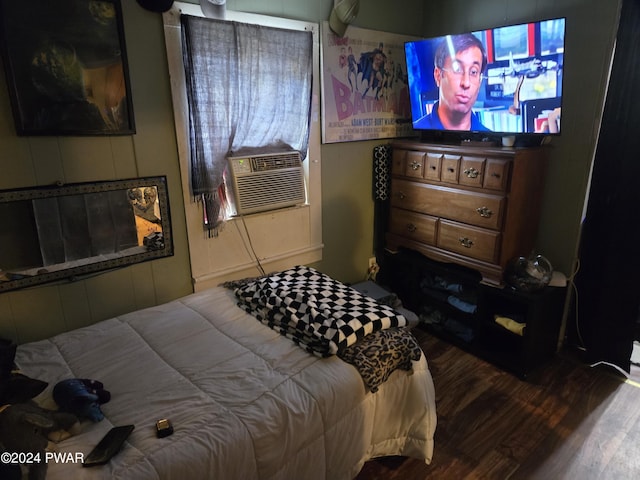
(303, 224)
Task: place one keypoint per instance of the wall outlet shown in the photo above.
(373, 268)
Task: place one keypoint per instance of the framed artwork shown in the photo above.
(66, 67)
(364, 86)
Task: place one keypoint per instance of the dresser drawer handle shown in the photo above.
(496, 175)
(401, 196)
(471, 172)
(415, 165)
(433, 167)
(451, 169)
(411, 227)
(484, 212)
(465, 242)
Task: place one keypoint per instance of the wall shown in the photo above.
(38, 312)
(347, 210)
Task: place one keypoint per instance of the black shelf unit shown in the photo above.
(455, 305)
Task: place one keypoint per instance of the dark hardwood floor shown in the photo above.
(566, 421)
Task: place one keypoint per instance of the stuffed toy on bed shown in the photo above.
(82, 397)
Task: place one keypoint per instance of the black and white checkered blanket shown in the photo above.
(320, 314)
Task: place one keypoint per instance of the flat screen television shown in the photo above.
(495, 82)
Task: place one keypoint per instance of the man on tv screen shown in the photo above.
(459, 63)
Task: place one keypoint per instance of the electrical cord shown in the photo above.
(581, 345)
(574, 288)
(250, 249)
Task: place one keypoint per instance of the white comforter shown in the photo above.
(245, 402)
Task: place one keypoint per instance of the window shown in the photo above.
(248, 86)
(281, 238)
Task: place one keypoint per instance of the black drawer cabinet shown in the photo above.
(454, 304)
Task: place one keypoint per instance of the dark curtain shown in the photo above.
(608, 279)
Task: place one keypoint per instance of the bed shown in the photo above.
(246, 401)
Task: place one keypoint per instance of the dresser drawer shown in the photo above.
(433, 166)
(469, 241)
(414, 164)
(471, 171)
(481, 209)
(415, 226)
(450, 168)
(496, 174)
(398, 161)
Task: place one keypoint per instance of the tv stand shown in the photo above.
(477, 206)
(482, 139)
(453, 304)
(485, 142)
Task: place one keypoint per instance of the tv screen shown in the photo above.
(505, 80)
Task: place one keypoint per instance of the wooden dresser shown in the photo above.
(475, 206)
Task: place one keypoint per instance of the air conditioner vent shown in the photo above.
(266, 182)
(275, 161)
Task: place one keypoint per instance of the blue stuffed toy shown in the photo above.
(82, 397)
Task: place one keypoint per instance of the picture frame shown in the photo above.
(66, 67)
(63, 233)
(365, 94)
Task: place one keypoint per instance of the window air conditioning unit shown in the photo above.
(267, 181)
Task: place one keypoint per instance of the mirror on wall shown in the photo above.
(65, 232)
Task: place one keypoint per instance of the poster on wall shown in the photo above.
(66, 67)
(364, 86)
